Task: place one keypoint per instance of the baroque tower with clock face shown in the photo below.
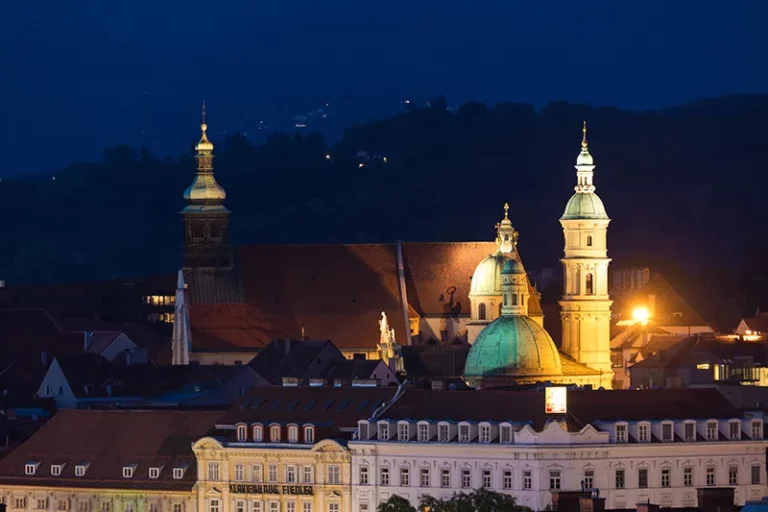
(585, 308)
(206, 220)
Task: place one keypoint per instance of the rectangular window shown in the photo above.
(507, 480)
(41, 504)
(213, 506)
(755, 475)
(106, 506)
(757, 430)
(589, 479)
(712, 431)
(333, 507)
(445, 478)
(690, 431)
(239, 506)
(129, 507)
(735, 429)
(257, 473)
(666, 432)
(383, 431)
(554, 480)
(710, 476)
(642, 478)
(527, 480)
(487, 478)
(643, 433)
(177, 507)
(405, 477)
(20, 502)
(274, 506)
(363, 507)
(273, 472)
(309, 474)
(239, 472)
(665, 477)
(306, 506)
(466, 479)
(621, 433)
(363, 475)
(213, 471)
(403, 431)
(442, 433)
(64, 505)
(290, 506)
(84, 506)
(688, 477)
(733, 475)
(485, 434)
(256, 506)
(506, 434)
(620, 479)
(290, 474)
(334, 474)
(423, 433)
(425, 480)
(384, 476)
(463, 433)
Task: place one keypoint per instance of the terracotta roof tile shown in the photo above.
(108, 441)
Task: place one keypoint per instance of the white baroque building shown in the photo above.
(634, 446)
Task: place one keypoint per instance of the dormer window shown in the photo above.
(506, 434)
(712, 431)
(403, 431)
(362, 429)
(485, 434)
(734, 430)
(464, 433)
(30, 468)
(443, 433)
(178, 472)
(643, 432)
(242, 433)
(258, 433)
(309, 433)
(129, 470)
(689, 431)
(56, 469)
(423, 432)
(757, 429)
(383, 431)
(666, 431)
(274, 433)
(81, 468)
(293, 434)
(621, 433)
(155, 472)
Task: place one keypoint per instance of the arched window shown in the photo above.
(293, 434)
(258, 433)
(242, 433)
(590, 285)
(274, 433)
(514, 299)
(309, 434)
(589, 240)
(481, 311)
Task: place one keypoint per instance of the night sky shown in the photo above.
(76, 76)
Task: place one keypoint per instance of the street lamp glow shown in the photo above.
(641, 314)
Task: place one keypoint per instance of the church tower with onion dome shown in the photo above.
(205, 218)
(585, 308)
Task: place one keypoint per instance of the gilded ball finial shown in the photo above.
(506, 210)
(584, 137)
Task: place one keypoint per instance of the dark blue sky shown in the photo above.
(76, 76)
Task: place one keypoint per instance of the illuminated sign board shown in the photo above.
(555, 400)
(289, 490)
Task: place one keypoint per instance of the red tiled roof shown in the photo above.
(333, 291)
(108, 441)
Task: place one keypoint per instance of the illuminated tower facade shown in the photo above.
(585, 309)
(206, 220)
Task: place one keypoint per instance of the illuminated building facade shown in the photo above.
(654, 446)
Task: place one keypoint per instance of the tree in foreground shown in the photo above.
(480, 500)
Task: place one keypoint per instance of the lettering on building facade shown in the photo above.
(290, 490)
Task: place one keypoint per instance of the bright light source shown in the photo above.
(327, 156)
(385, 159)
(641, 314)
(702, 366)
(360, 165)
(748, 332)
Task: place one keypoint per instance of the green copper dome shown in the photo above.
(585, 205)
(513, 345)
(513, 267)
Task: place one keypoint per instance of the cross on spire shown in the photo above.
(584, 138)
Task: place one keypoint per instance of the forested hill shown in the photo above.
(685, 187)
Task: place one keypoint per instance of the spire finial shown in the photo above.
(204, 126)
(506, 210)
(584, 138)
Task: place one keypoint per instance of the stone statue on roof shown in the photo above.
(389, 349)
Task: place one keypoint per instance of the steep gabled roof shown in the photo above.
(294, 358)
(108, 441)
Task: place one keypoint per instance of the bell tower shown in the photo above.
(206, 220)
(585, 309)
